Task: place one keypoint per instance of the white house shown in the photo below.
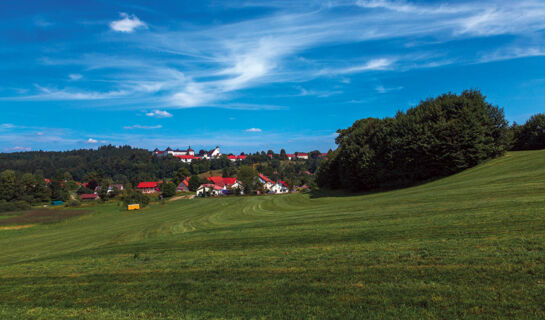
(280, 187)
(214, 153)
(210, 190)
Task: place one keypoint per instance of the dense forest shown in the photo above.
(439, 137)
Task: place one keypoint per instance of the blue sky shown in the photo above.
(252, 75)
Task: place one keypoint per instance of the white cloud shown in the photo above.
(17, 149)
(127, 24)
(137, 126)
(159, 114)
(253, 130)
(91, 140)
(75, 76)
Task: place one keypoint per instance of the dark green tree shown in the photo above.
(531, 135)
(248, 176)
(168, 189)
(194, 183)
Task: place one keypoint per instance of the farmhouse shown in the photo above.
(225, 183)
(290, 156)
(148, 187)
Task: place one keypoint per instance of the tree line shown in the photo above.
(438, 137)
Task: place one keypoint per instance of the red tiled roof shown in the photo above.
(302, 154)
(221, 181)
(232, 157)
(151, 184)
(283, 183)
(186, 156)
(241, 157)
(88, 196)
(290, 155)
(229, 181)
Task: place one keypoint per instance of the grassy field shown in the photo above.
(467, 246)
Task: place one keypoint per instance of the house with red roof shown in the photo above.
(88, 196)
(290, 156)
(184, 185)
(187, 158)
(302, 156)
(149, 187)
(225, 183)
(234, 158)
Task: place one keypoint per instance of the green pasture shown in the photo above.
(468, 246)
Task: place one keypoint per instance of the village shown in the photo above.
(209, 186)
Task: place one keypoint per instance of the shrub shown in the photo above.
(73, 203)
(6, 206)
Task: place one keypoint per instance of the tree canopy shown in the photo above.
(438, 137)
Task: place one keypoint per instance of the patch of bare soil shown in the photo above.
(191, 196)
(41, 216)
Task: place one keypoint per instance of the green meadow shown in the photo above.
(468, 246)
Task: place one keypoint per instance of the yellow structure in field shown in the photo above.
(133, 207)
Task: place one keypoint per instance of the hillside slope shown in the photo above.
(467, 246)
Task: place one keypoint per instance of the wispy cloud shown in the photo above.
(127, 23)
(512, 53)
(138, 126)
(382, 89)
(75, 76)
(159, 114)
(253, 130)
(187, 66)
(91, 140)
(372, 65)
(6, 126)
